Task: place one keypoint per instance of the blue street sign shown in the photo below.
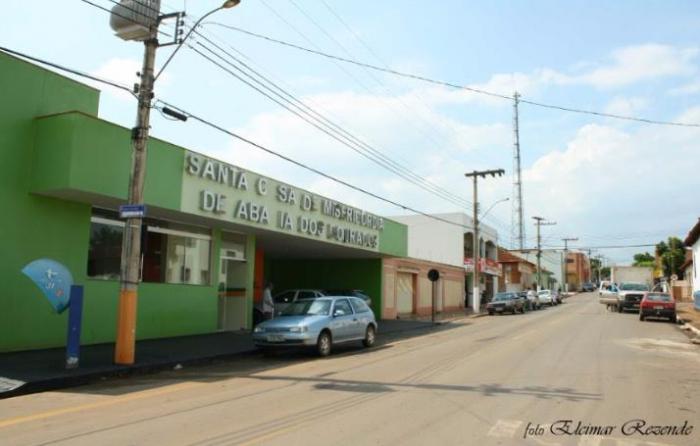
(132, 210)
(75, 320)
(53, 279)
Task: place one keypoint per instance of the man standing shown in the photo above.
(268, 305)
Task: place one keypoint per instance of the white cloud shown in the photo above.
(641, 62)
(626, 106)
(687, 89)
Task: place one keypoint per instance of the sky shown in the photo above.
(604, 181)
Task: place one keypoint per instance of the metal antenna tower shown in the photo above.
(517, 225)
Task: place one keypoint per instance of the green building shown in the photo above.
(214, 233)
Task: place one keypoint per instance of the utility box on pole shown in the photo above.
(134, 19)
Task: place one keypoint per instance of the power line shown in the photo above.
(453, 85)
(122, 16)
(311, 120)
(241, 138)
(69, 70)
(415, 124)
(328, 125)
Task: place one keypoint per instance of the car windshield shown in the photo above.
(633, 287)
(659, 297)
(502, 296)
(308, 307)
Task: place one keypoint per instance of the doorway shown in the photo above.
(233, 280)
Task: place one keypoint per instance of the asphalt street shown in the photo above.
(484, 381)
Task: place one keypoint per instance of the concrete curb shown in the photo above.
(64, 382)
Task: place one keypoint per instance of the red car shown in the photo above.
(657, 305)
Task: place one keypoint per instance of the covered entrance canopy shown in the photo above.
(222, 228)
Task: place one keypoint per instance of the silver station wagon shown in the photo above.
(319, 323)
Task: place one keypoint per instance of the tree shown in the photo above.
(644, 259)
(672, 256)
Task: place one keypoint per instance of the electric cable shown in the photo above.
(451, 84)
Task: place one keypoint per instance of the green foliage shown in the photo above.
(644, 259)
(672, 255)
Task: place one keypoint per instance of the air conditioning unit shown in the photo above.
(133, 19)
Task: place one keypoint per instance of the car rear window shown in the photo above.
(659, 297)
(359, 305)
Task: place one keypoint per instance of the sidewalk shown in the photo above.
(39, 370)
(690, 316)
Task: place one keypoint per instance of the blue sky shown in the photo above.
(605, 181)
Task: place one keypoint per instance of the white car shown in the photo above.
(546, 298)
(534, 301)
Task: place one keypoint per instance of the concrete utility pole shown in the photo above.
(517, 224)
(139, 20)
(539, 221)
(124, 352)
(476, 294)
(566, 261)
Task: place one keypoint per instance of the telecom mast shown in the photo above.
(516, 224)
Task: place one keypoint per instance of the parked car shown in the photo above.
(349, 292)
(608, 295)
(506, 303)
(319, 323)
(546, 297)
(533, 300)
(588, 287)
(557, 296)
(629, 296)
(657, 305)
(285, 298)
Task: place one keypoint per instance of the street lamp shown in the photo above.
(130, 270)
(492, 206)
(226, 5)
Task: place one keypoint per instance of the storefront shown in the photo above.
(213, 235)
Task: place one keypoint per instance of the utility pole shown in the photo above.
(517, 225)
(139, 21)
(124, 351)
(539, 221)
(476, 294)
(566, 261)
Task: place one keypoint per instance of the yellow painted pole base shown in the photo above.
(125, 349)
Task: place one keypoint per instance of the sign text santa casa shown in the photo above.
(216, 189)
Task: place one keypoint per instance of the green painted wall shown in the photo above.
(82, 153)
(394, 239)
(52, 145)
(34, 226)
(364, 274)
(76, 151)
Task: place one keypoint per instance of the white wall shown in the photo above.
(551, 261)
(696, 267)
(439, 241)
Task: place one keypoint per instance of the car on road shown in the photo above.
(319, 323)
(546, 297)
(607, 295)
(588, 287)
(283, 299)
(506, 302)
(287, 297)
(629, 296)
(349, 292)
(659, 305)
(533, 300)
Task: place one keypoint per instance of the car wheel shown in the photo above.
(641, 317)
(324, 343)
(370, 336)
(619, 308)
(490, 313)
(522, 310)
(674, 319)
